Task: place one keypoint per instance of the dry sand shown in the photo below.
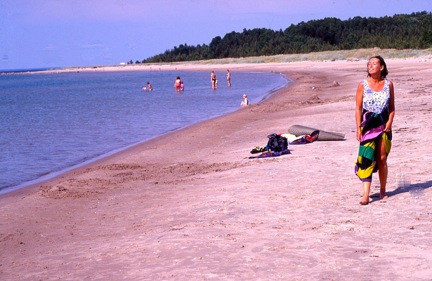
(191, 205)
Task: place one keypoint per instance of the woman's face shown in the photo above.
(374, 66)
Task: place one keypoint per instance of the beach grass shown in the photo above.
(338, 55)
(357, 54)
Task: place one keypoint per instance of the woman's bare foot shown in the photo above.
(383, 194)
(364, 201)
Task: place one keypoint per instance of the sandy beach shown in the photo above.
(192, 205)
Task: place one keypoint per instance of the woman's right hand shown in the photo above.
(358, 134)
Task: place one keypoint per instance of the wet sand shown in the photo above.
(192, 205)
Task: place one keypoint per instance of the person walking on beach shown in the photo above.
(228, 77)
(213, 80)
(375, 110)
(245, 101)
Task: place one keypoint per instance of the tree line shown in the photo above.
(402, 31)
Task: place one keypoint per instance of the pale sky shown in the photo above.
(61, 33)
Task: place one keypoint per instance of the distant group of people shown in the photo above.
(214, 81)
(179, 85)
(214, 84)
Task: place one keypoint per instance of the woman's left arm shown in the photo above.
(389, 123)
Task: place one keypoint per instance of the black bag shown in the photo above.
(277, 143)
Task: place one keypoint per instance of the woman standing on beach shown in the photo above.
(375, 110)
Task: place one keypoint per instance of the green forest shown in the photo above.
(402, 31)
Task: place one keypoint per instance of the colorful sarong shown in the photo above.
(372, 131)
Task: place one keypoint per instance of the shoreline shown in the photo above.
(165, 209)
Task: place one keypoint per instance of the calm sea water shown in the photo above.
(51, 123)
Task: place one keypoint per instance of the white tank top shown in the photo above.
(373, 101)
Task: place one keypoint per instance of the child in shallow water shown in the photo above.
(148, 88)
(245, 101)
